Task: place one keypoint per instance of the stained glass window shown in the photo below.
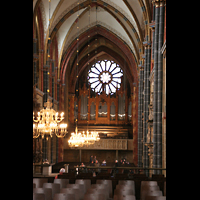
(105, 75)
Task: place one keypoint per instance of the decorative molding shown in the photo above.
(105, 144)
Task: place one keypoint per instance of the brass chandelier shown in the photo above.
(81, 139)
(48, 122)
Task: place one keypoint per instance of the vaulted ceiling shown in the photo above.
(116, 29)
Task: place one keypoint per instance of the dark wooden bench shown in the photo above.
(138, 178)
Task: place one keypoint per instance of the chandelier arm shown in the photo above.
(58, 121)
(36, 136)
(61, 136)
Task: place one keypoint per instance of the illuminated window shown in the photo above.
(105, 76)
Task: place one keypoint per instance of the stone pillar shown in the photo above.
(157, 102)
(160, 78)
(45, 83)
(135, 123)
(52, 81)
(61, 108)
(147, 64)
(145, 107)
(46, 73)
(140, 109)
(155, 91)
(58, 94)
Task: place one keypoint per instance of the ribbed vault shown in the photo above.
(104, 43)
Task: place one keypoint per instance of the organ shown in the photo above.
(100, 109)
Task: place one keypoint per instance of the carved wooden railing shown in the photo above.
(108, 144)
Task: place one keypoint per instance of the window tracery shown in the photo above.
(105, 75)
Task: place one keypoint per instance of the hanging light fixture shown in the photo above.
(48, 120)
(79, 139)
(90, 138)
(76, 139)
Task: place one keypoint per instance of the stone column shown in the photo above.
(155, 91)
(52, 81)
(157, 102)
(45, 82)
(160, 78)
(58, 94)
(140, 109)
(145, 106)
(46, 72)
(147, 64)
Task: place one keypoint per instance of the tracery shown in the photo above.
(105, 75)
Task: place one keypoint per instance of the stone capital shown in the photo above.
(147, 44)
(152, 25)
(158, 3)
(141, 67)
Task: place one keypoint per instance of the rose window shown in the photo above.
(105, 75)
